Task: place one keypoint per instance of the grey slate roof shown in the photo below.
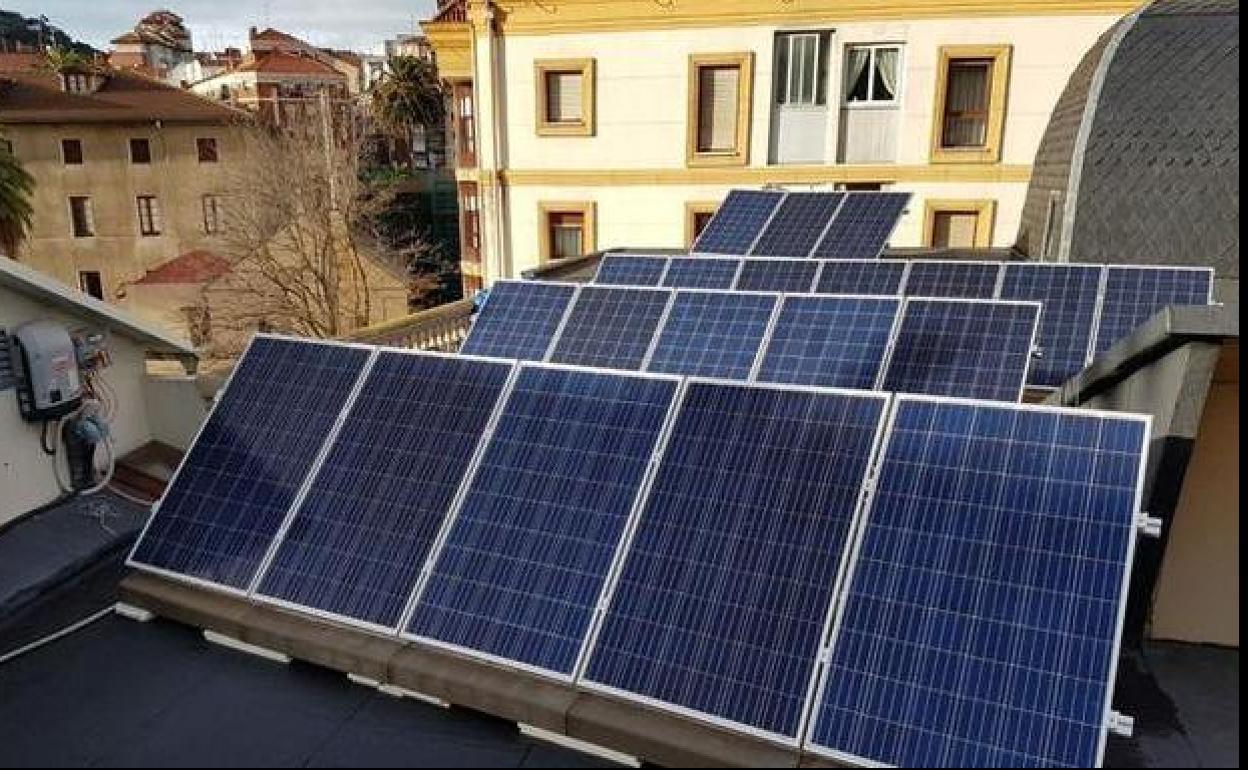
(1158, 181)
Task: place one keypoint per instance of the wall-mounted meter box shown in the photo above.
(45, 366)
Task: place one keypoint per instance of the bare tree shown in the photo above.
(299, 231)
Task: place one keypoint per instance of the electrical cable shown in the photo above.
(52, 637)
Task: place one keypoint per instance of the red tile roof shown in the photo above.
(35, 95)
(197, 266)
(282, 63)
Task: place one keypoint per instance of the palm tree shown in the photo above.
(410, 94)
(16, 186)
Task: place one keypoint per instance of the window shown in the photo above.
(206, 147)
(140, 151)
(469, 223)
(6, 147)
(802, 68)
(959, 224)
(969, 115)
(81, 218)
(861, 186)
(565, 97)
(1052, 220)
(872, 75)
(149, 215)
(212, 215)
(71, 152)
(697, 215)
(90, 283)
(567, 229)
(224, 93)
(465, 126)
(76, 83)
(719, 109)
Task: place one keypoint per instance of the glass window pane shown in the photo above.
(563, 97)
(717, 108)
(782, 69)
(886, 69)
(858, 75)
(966, 103)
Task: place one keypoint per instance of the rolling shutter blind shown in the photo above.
(563, 97)
(717, 108)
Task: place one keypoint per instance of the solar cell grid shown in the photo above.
(701, 273)
(526, 559)
(1069, 294)
(232, 492)
(830, 341)
(722, 599)
(970, 280)
(774, 274)
(737, 222)
(797, 224)
(712, 334)
(862, 226)
(860, 276)
(968, 348)
(630, 270)
(984, 601)
(362, 533)
(519, 320)
(610, 327)
(1135, 294)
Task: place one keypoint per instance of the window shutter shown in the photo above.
(563, 97)
(966, 104)
(717, 108)
(954, 229)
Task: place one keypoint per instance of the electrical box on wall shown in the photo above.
(45, 366)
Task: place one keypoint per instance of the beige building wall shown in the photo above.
(107, 175)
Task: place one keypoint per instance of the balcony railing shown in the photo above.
(441, 328)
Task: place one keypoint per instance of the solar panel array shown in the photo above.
(863, 226)
(797, 224)
(1087, 308)
(519, 320)
(896, 579)
(738, 222)
(611, 327)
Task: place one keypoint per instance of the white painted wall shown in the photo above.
(26, 473)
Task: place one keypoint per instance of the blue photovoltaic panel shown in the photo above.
(1135, 294)
(721, 602)
(970, 280)
(233, 490)
(972, 349)
(787, 275)
(519, 320)
(713, 334)
(701, 273)
(526, 558)
(863, 225)
(830, 341)
(981, 619)
(737, 222)
(1069, 295)
(610, 327)
(364, 530)
(861, 276)
(630, 270)
(797, 225)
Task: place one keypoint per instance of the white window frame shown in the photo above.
(782, 95)
(871, 103)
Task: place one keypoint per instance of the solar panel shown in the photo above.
(860, 276)
(519, 320)
(737, 222)
(797, 224)
(983, 610)
(361, 535)
(701, 273)
(722, 601)
(630, 270)
(773, 274)
(1069, 294)
(611, 327)
(968, 348)
(830, 341)
(863, 225)
(1135, 294)
(232, 492)
(970, 280)
(713, 334)
(526, 559)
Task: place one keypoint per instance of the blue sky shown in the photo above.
(359, 24)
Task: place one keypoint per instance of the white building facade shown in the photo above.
(582, 126)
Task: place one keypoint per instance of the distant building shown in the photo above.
(159, 46)
(127, 170)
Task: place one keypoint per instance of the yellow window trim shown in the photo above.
(583, 127)
(998, 96)
(692, 210)
(985, 212)
(587, 210)
(740, 155)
